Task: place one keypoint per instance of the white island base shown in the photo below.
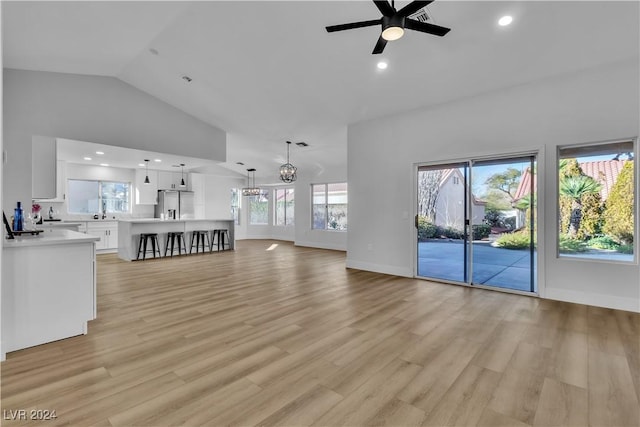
(129, 231)
(48, 288)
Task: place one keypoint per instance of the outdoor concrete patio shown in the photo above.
(504, 268)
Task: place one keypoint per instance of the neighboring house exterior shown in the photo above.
(603, 171)
(450, 202)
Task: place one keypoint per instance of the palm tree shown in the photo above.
(575, 187)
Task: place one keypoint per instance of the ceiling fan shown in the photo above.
(394, 22)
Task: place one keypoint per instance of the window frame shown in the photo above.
(326, 206)
(263, 195)
(100, 199)
(289, 220)
(558, 215)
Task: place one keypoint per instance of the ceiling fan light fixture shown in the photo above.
(392, 33)
(392, 27)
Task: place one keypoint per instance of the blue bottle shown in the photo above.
(18, 218)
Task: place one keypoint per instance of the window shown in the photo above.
(99, 196)
(284, 205)
(259, 209)
(596, 208)
(235, 205)
(329, 206)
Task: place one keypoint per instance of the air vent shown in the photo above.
(421, 15)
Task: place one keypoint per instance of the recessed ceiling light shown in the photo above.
(505, 20)
(187, 79)
(141, 164)
(87, 158)
(240, 163)
(157, 160)
(302, 144)
(104, 164)
(100, 153)
(382, 65)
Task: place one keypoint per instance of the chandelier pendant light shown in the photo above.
(182, 183)
(251, 190)
(288, 171)
(146, 166)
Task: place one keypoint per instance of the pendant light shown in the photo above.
(146, 166)
(288, 171)
(182, 184)
(251, 190)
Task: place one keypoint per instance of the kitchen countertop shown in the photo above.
(56, 237)
(154, 220)
(60, 223)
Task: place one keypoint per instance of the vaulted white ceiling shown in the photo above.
(268, 71)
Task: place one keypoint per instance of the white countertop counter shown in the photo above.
(60, 224)
(56, 237)
(158, 220)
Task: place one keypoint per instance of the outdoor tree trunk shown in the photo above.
(428, 187)
(576, 217)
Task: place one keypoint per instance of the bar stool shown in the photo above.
(142, 245)
(172, 236)
(220, 233)
(199, 236)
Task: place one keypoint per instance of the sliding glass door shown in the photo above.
(476, 223)
(443, 250)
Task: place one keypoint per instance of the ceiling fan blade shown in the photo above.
(424, 27)
(352, 25)
(413, 7)
(384, 7)
(379, 46)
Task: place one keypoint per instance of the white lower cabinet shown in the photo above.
(107, 232)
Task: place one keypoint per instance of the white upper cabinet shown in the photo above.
(146, 194)
(172, 180)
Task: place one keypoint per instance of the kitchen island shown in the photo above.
(48, 288)
(129, 231)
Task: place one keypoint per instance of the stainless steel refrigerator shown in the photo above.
(175, 205)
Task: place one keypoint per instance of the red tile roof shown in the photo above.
(604, 171)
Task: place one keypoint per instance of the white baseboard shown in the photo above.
(319, 245)
(380, 268)
(597, 300)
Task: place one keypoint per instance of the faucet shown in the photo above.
(50, 212)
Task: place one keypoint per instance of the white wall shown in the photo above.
(92, 108)
(594, 105)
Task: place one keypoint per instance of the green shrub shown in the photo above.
(452, 233)
(618, 213)
(426, 230)
(625, 249)
(603, 242)
(518, 240)
(569, 245)
(591, 222)
(481, 231)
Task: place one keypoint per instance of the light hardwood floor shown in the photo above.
(290, 337)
